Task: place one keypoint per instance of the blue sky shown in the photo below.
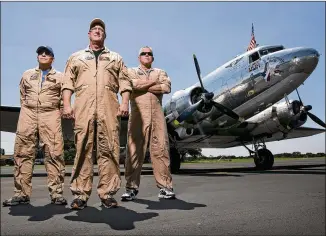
(215, 31)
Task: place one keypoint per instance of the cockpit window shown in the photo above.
(266, 51)
(233, 63)
(253, 57)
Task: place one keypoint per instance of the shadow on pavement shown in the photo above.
(117, 218)
(38, 213)
(168, 204)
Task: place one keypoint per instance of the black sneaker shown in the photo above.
(14, 201)
(129, 195)
(78, 204)
(109, 202)
(59, 201)
(166, 193)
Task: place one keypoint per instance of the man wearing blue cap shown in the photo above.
(39, 122)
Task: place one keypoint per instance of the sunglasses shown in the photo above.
(146, 53)
(46, 53)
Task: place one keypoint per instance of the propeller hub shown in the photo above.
(209, 96)
(308, 107)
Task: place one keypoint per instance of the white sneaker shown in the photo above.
(166, 193)
(129, 195)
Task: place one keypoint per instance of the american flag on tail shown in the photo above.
(252, 43)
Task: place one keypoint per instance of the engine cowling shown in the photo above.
(180, 101)
(183, 132)
(280, 117)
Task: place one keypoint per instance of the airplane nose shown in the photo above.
(305, 60)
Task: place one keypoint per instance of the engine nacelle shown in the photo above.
(183, 133)
(180, 101)
(282, 116)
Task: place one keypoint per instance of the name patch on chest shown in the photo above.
(104, 58)
(140, 73)
(89, 57)
(34, 77)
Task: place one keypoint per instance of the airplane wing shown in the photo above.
(220, 141)
(10, 115)
(9, 119)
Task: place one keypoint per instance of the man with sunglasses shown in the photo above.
(96, 75)
(39, 123)
(147, 125)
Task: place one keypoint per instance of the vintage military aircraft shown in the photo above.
(236, 104)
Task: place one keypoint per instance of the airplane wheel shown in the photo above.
(175, 160)
(264, 159)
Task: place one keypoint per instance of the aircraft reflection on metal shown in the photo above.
(233, 105)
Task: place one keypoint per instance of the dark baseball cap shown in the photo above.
(46, 48)
(97, 21)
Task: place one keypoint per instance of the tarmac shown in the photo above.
(212, 199)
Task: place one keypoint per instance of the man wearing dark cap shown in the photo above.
(39, 123)
(96, 75)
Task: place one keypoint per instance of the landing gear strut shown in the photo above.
(175, 160)
(263, 158)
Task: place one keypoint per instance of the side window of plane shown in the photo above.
(253, 57)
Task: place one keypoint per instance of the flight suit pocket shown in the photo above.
(80, 90)
(57, 145)
(157, 148)
(55, 86)
(112, 87)
(18, 145)
(24, 146)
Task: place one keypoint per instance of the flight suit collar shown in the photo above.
(52, 71)
(146, 71)
(88, 49)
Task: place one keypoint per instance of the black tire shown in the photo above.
(264, 159)
(175, 161)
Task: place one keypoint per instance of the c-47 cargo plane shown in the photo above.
(234, 105)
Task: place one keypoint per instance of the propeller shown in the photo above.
(206, 97)
(307, 108)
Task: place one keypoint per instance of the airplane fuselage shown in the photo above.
(250, 83)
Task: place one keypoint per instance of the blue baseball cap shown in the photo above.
(46, 48)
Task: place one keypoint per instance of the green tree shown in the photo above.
(195, 152)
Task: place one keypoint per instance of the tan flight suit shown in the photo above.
(96, 105)
(39, 120)
(147, 125)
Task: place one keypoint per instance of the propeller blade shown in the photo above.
(316, 119)
(226, 110)
(189, 111)
(198, 71)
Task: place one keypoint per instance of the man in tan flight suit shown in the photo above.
(96, 75)
(147, 125)
(39, 121)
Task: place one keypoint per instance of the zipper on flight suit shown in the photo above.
(38, 96)
(95, 136)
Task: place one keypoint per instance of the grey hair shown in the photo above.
(141, 49)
